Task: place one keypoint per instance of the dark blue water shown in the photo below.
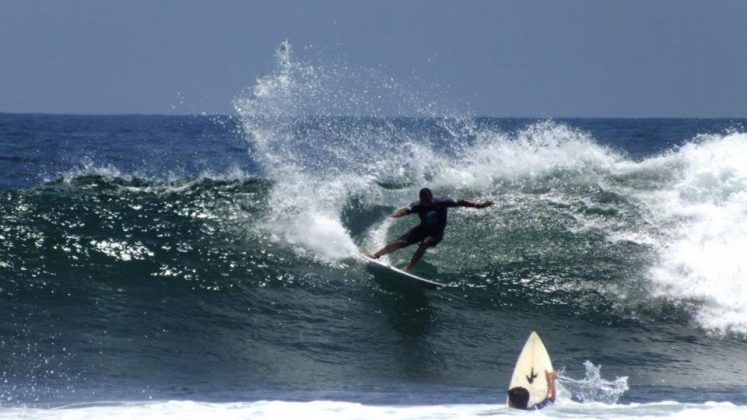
(192, 258)
(41, 148)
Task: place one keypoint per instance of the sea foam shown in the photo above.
(703, 219)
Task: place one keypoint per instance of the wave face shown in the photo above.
(210, 258)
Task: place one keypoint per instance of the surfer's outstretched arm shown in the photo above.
(474, 205)
(401, 212)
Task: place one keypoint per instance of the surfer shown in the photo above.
(432, 212)
(518, 397)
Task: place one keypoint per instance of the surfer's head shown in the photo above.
(426, 196)
(518, 397)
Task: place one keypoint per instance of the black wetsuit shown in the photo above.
(433, 220)
(542, 404)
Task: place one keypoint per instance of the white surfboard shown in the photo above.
(530, 368)
(401, 274)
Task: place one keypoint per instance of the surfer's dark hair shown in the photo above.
(425, 193)
(518, 397)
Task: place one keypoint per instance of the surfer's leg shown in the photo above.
(416, 234)
(425, 244)
(416, 256)
(388, 249)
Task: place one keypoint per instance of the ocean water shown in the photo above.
(186, 266)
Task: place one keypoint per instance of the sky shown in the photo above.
(524, 58)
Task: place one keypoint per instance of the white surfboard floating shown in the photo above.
(530, 368)
(401, 274)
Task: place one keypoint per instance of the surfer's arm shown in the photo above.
(551, 377)
(401, 212)
(474, 205)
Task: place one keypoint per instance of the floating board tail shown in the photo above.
(530, 369)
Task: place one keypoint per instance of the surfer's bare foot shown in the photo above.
(406, 269)
(369, 255)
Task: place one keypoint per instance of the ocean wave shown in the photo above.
(562, 196)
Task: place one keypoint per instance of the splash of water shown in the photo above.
(322, 135)
(288, 120)
(594, 388)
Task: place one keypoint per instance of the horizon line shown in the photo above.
(213, 115)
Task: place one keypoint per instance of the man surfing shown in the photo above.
(432, 212)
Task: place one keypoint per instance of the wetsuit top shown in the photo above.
(435, 214)
(538, 406)
(541, 405)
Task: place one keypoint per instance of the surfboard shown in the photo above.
(530, 368)
(399, 273)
